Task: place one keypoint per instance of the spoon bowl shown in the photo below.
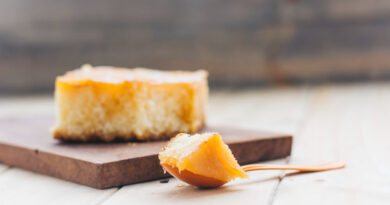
(192, 178)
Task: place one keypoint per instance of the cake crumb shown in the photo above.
(180, 185)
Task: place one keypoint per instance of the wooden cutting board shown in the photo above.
(27, 143)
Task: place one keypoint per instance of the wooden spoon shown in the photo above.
(207, 182)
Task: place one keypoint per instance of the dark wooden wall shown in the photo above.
(246, 42)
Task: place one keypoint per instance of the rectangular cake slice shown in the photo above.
(106, 103)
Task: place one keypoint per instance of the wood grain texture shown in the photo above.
(344, 122)
(377, 129)
(241, 43)
(269, 110)
(103, 165)
(256, 190)
(280, 109)
(329, 122)
(22, 187)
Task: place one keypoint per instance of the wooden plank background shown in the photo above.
(249, 42)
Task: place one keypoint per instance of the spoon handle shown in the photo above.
(308, 168)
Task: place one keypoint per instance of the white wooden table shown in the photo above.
(329, 122)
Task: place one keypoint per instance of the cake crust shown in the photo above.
(108, 104)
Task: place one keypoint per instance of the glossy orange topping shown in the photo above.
(194, 157)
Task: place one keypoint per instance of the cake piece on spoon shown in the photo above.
(203, 160)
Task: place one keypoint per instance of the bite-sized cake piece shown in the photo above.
(106, 103)
(203, 160)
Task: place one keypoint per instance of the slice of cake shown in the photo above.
(106, 103)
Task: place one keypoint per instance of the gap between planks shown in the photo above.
(252, 109)
(257, 112)
(108, 196)
(280, 178)
(300, 127)
(347, 122)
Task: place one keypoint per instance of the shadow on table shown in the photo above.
(188, 192)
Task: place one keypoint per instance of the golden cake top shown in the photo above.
(108, 74)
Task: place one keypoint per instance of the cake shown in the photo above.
(106, 103)
(203, 160)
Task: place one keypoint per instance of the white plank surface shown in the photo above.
(251, 109)
(23, 187)
(3, 168)
(256, 190)
(376, 131)
(26, 106)
(348, 122)
(344, 122)
(277, 110)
